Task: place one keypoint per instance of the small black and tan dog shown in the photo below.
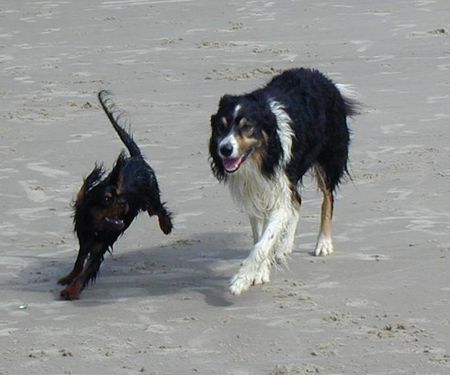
(106, 206)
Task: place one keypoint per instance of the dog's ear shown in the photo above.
(89, 182)
(213, 120)
(115, 175)
(224, 100)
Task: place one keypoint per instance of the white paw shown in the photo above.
(262, 276)
(248, 276)
(324, 246)
(282, 255)
(280, 258)
(240, 283)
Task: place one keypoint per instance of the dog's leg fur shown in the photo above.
(256, 268)
(156, 207)
(164, 219)
(286, 241)
(89, 272)
(324, 244)
(257, 227)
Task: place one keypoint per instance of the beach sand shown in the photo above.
(161, 305)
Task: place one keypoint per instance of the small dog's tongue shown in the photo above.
(115, 222)
(231, 165)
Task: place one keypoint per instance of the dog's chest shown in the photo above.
(258, 194)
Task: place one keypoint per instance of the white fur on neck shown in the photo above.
(285, 132)
(258, 194)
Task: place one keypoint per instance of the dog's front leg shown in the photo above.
(286, 241)
(257, 227)
(256, 268)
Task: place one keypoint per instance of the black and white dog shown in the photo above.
(262, 144)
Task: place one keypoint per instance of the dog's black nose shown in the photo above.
(122, 201)
(226, 149)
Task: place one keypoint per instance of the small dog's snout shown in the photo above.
(226, 149)
(122, 202)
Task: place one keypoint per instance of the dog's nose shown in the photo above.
(122, 202)
(226, 149)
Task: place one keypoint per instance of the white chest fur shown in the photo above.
(258, 194)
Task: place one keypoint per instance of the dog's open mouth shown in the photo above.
(115, 222)
(232, 165)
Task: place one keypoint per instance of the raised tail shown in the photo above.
(119, 120)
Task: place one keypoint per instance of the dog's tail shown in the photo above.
(119, 120)
(352, 104)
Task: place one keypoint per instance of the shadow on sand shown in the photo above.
(203, 264)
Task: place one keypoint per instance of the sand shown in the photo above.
(379, 305)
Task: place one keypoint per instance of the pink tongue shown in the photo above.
(115, 221)
(231, 164)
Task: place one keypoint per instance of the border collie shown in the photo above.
(261, 146)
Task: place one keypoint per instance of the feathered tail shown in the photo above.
(352, 104)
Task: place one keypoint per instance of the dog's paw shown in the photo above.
(282, 255)
(165, 223)
(248, 276)
(324, 246)
(69, 294)
(73, 291)
(239, 284)
(65, 280)
(263, 274)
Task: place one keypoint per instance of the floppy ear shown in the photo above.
(214, 159)
(213, 120)
(89, 182)
(114, 176)
(224, 100)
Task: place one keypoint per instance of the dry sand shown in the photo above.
(380, 305)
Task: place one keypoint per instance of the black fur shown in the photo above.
(318, 112)
(106, 206)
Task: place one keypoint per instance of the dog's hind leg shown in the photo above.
(324, 244)
(78, 266)
(88, 273)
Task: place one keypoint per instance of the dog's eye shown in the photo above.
(107, 198)
(222, 124)
(247, 129)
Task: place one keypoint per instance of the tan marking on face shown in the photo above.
(261, 150)
(245, 143)
(224, 121)
(246, 127)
